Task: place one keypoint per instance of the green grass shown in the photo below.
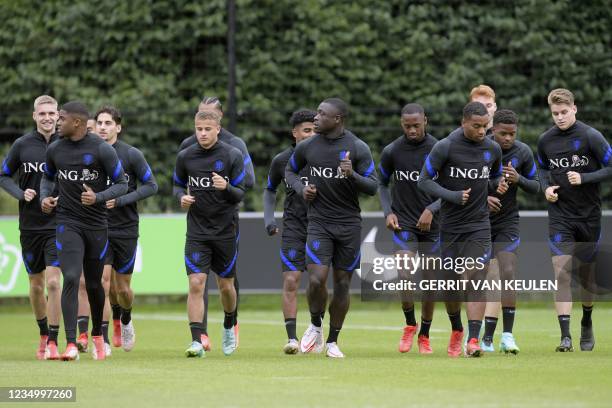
(373, 374)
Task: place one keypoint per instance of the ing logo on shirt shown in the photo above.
(565, 162)
(473, 174)
(514, 162)
(73, 175)
(487, 155)
(35, 167)
(342, 154)
(219, 165)
(88, 159)
(316, 244)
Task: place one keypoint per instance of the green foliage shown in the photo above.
(155, 60)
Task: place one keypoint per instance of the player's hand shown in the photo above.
(309, 192)
(574, 178)
(110, 204)
(503, 186)
(494, 204)
(272, 229)
(29, 195)
(466, 196)
(219, 182)
(392, 222)
(346, 166)
(187, 200)
(88, 197)
(424, 222)
(510, 173)
(551, 194)
(48, 204)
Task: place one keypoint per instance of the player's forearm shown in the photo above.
(178, 192)
(529, 186)
(543, 178)
(367, 185)
(269, 203)
(385, 198)
(47, 186)
(9, 185)
(234, 194)
(294, 180)
(432, 188)
(249, 179)
(435, 206)
(114, 191)
(143, 191)
(597, 176)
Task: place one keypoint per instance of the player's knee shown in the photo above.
(196, 288)
(37, 288)
(291, 284)
(53, 283)
(123, 291)
(315, 281)
(226, 287)
(92, 284)
(341, 287)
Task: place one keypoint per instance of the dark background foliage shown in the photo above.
(156, 59)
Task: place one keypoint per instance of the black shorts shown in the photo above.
(218, 255)
(335, 244)
(293, 255)
(506, 238)
(413, 240)
(572, 237)
(474, 245)
(38, 250)
(293, 246)
(121, 254)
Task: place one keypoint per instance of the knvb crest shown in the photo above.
(219, 165)
(291, 253)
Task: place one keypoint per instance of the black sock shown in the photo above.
(53, 333)
(43, 326)
(83, 323)
(409, 315)
(290, 327)
(332, 336)
(228, 321)
(490, 325)
(116, 311)
(126, 315)
(586, 316)
(455, 320)
(564, 324)
(70, 336)
(425, 326)
(105, 331)
(474, 329)
(316, 318)
(508, 313)
(196, 331)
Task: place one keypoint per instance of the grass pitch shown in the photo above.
(373, 374)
